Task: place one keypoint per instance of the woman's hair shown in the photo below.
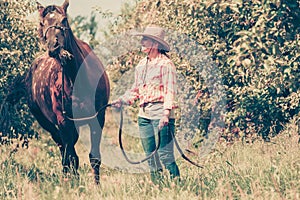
(160, 47)
(162, 50)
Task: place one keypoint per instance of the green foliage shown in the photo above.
(255, 45)
(18, 46)
(85, 28)
(260, 64)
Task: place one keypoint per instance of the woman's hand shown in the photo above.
(117, 103)
(164, 121)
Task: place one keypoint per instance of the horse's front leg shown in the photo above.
(69, 136)
(95, 156)
(67, 129)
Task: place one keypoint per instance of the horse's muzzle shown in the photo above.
(54, 50)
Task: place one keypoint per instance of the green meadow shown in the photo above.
(240, 170)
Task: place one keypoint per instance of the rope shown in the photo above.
(87, 118)
(182, 154)
(122, 149)
(155, 150)
(121, 143)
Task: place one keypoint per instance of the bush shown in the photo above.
(19, 45)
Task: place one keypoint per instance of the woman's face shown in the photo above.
(148, 44)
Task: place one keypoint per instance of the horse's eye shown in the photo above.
(41, 24)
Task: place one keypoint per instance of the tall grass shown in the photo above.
(240, 170)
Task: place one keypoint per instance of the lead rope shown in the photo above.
(156, 149)
(122, 148)
(182, 154)
(63, 104)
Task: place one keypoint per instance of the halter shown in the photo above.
(62, 28)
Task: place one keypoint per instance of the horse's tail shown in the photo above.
(14, 94)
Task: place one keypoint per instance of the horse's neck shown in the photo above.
(85, 66)
(77, 48)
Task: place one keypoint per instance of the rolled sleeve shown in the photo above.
(169, 83)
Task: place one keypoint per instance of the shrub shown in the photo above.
(19, 45)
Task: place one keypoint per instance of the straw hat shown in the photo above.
(156, 33)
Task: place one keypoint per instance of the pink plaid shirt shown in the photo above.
(155, 81)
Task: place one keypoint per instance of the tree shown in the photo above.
(255, 45)
(85, 29)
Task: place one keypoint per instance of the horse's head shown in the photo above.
(54, 27)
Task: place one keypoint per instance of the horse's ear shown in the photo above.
(65, 5)
(40, 7)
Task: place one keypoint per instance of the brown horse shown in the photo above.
(68, 81)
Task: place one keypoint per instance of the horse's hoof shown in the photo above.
(95, 163)
(65, 170)
(97, 180)
(70, 172)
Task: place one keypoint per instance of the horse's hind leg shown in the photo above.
(95, 156)
(48, 126)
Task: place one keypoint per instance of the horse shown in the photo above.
(68, 80)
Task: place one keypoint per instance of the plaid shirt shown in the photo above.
(155, 81)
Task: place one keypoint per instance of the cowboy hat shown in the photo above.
(156, 33)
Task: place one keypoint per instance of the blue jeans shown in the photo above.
(165, 155)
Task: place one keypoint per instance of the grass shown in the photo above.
(256, 170)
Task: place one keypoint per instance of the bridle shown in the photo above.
(62, 28)
(63, 17)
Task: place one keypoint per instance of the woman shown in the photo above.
(155, 87)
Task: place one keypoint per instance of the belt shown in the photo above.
(143, 105)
